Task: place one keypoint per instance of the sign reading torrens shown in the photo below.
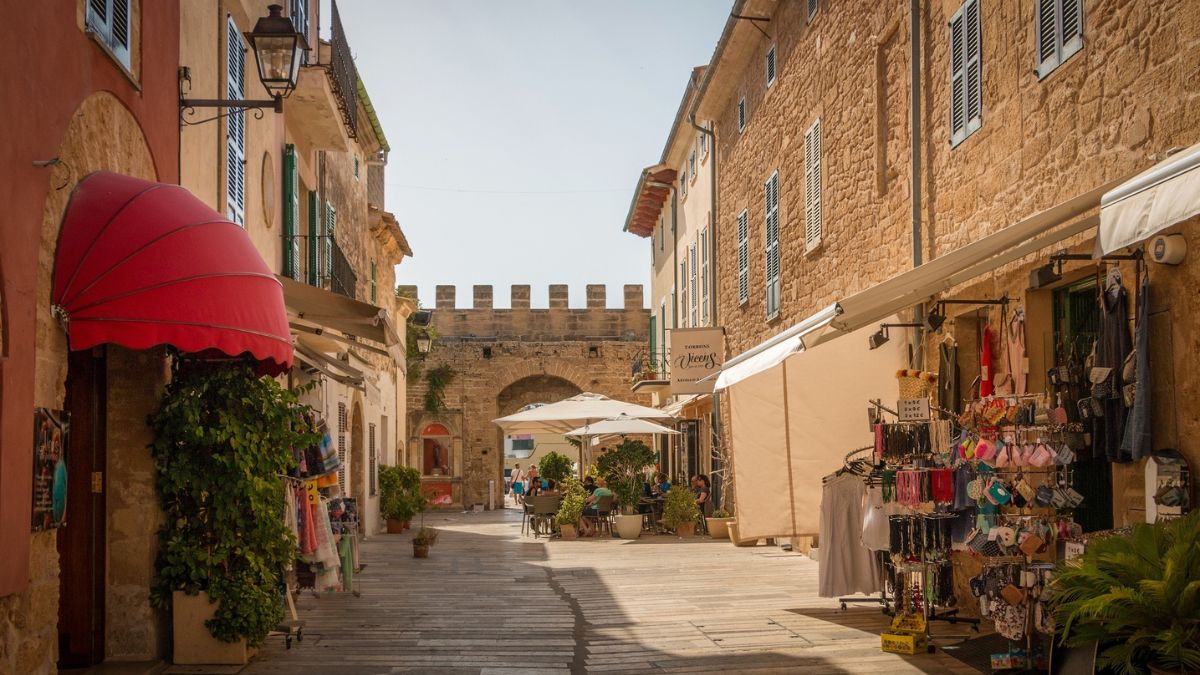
(696, 354)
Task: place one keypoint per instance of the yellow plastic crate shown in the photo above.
(904, 643)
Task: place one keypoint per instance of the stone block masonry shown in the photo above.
(504, 359)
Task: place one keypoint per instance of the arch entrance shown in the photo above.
(526, 449)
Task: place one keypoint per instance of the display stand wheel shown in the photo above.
(931, 649)
(843, 606)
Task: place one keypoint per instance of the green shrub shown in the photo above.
(1139, 596)
(622, 468)
(680, 507)
(426, 536)
(400, 495)
(570, 510)
(721, 513)
(222, 436)
(555, 466)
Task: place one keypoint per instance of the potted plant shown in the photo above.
(718, 524)
(221, 436)
(1138, 596)
(399, 496)
(422, 540)
(570, 510)
(622, 466)
(680, 512)
(555, 466)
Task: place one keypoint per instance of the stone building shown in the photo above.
(1026, 126)
(310, 195)
(502, 360)
(672, 209)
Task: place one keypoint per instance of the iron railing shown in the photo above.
(653, 365)
(343, 75)
(342, 278)
(325, 266)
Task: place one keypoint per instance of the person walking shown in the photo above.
(517, 484)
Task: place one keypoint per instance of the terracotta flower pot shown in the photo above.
(718, 528)
(396, 526)
(569, 532)
(685, 529)
(420, 551)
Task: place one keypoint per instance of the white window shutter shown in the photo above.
(1072, 27)
(1046, 27)
(771, 194)
(693, 290)
(813, 225)
(743, 232)
(974, 65)
(704, 279)
(235, 160)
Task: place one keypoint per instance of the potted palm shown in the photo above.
(623, 467)
(1138, 596)
(680, 512)
(399, 496)
(570, 510)
(718, 524)
(422, 540)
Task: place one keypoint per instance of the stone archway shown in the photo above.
(539, 388)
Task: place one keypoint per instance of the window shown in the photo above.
(383, 440)
(771, 195)
(693, 291)
(966, 71)
(683, 181)
(291, 213)
(356, 167)
(341, 449)
(653, 360)
(1059, 32)
(372, 460)
(771, 66)
(812, 186)
(235, 146)
(703, 145)
(741, 113)
(374, 283)
(743, 256)
(330, 229)
(109, 21)
(300, 21)
(812, 8)
(683, 293)
(314, 238)
(704, 277)
(692, 166)
(662, 234)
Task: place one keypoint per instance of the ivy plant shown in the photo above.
(222, 436)
(436, 380)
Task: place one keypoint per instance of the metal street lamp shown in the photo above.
(424, 342)
(278, 48)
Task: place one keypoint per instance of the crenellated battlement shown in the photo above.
(482, 321)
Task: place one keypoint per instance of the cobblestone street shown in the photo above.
(490, 601)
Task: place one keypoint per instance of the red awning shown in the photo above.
(142, 263)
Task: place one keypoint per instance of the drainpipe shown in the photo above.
(914, 94)
(712, 267)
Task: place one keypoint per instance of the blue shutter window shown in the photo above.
(314, 240)
(771, 195)
(330, 229)
(235, 146)
(110, 22)
(743, 256)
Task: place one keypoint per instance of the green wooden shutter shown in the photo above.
(653, 360)
(373, 282)
(314, 241)
(291, 213)
(330, 227)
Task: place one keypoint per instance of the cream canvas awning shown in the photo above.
(793, 424)
(315, 311)
(1166, 194)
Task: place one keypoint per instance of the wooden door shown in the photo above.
(81, 541)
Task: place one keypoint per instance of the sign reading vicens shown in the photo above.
(696, 354)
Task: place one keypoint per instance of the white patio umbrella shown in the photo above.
(577, 411)
(621, 425)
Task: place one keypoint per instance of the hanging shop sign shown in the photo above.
(50, 434)
(913, 409)
(696, 354)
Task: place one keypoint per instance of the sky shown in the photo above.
(518, 130)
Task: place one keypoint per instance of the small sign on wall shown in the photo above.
(51, 429)
(697, 355)
(913, 409)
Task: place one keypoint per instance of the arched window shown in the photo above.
(436, 451)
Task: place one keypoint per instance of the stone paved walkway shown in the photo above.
(489, 601)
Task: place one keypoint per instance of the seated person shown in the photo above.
(589, 484)
(549, 488)
(590, 510)
(662, 485)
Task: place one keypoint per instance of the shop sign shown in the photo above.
(50, 434)
(697, 355)
(913, 409)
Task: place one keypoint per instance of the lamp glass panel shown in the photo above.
(277, 57)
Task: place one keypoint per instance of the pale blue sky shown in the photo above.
(518, 130)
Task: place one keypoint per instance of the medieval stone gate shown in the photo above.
(504, 359)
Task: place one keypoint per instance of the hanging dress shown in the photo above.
(846, 566)
(1016, 350)
(985, 364)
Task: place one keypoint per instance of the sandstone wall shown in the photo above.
(504, 359)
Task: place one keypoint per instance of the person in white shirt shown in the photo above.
(517, 483)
